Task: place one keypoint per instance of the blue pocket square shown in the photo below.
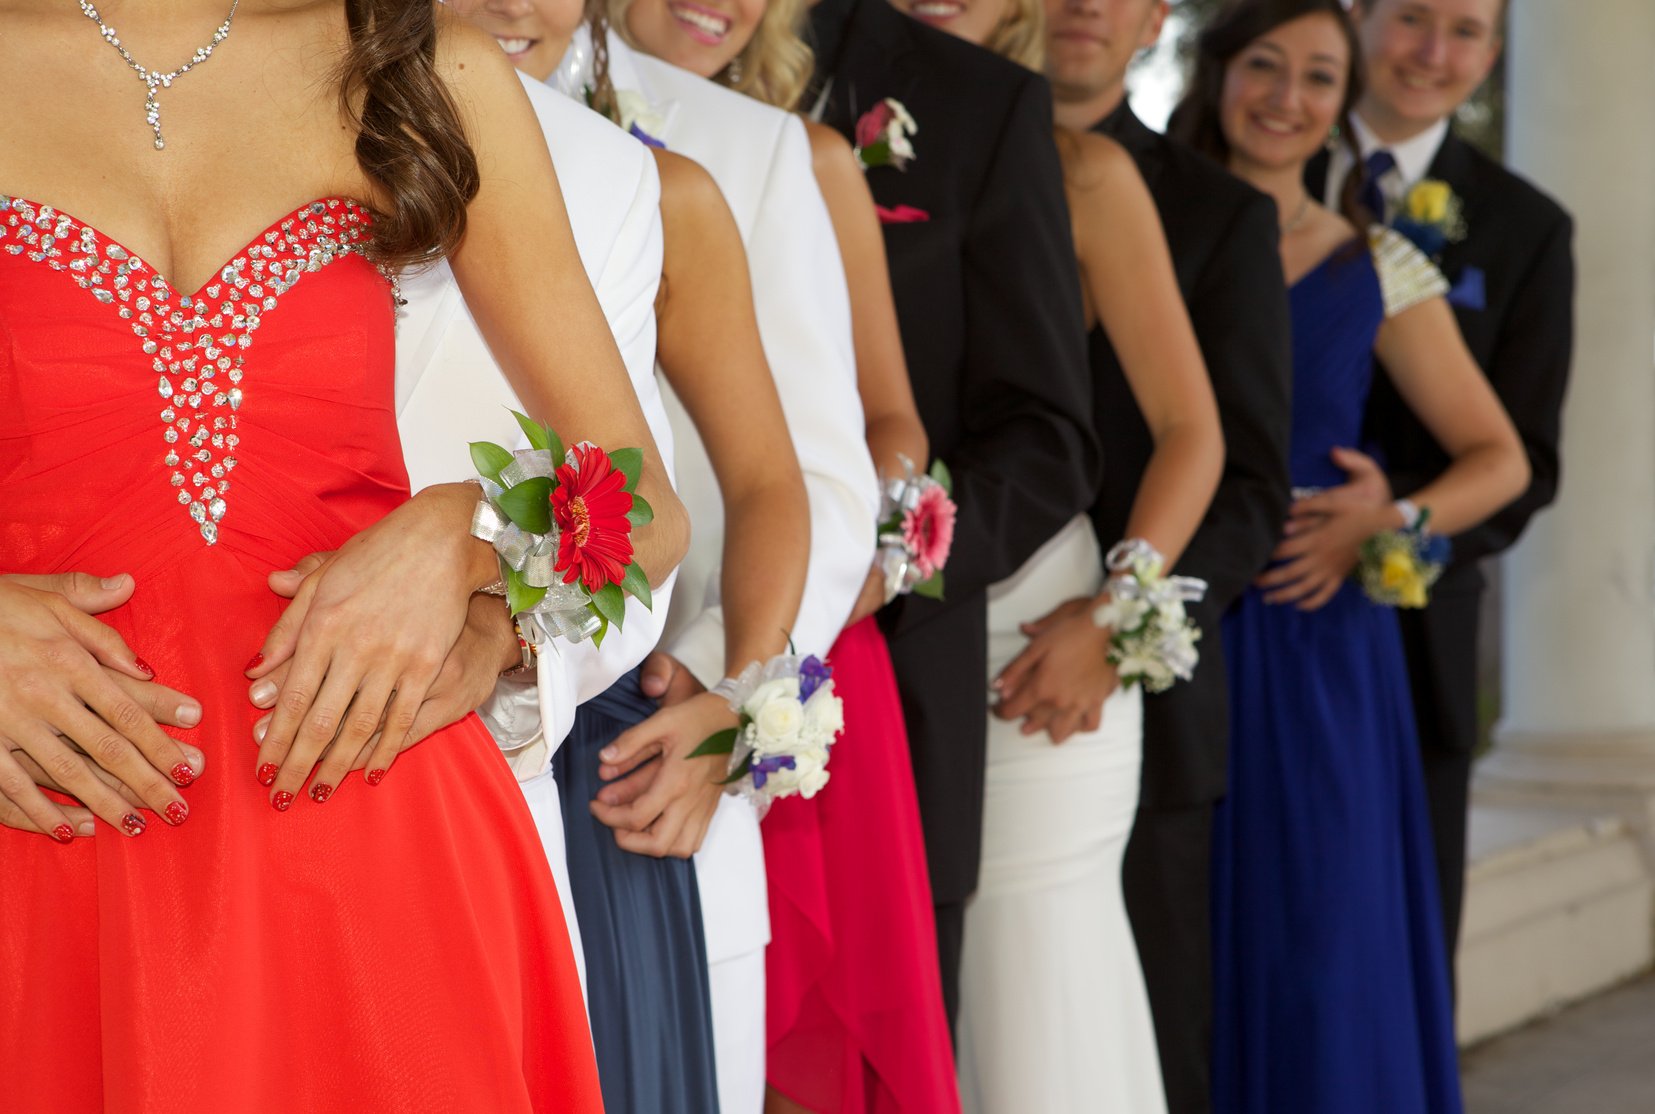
(1469, 292)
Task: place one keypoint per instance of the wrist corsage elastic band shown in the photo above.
(916, 530)
(1152, 640)
(561, 523)
(1398, 567)
(789, 719)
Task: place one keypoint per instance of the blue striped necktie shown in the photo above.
(1378, 164)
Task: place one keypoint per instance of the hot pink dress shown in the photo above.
(855, 1011)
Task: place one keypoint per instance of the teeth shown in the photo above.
(939, 10)
(1418, 82)
(705, 21)
(1274, 126)
(514, 46)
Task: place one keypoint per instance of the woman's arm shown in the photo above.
(361, 659)
(524, 283)
(894, 429)
(1060, 681)
(1425, 356)
(1129, 285)
(709, 348)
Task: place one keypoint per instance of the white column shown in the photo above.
(1579, 611)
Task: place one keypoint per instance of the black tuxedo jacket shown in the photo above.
(988, 298)
(1222, 235)
(1521, 242)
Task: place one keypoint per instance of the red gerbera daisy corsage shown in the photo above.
(591, 504)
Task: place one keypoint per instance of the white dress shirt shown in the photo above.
(1413, 160)
(449, 392)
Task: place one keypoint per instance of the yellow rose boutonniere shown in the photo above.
(1431, 215)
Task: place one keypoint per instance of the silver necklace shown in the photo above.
(155, 79)
(1299, 216)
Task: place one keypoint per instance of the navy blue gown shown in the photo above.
(641, 933)
(1331, 987)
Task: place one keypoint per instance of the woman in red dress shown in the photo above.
(198, 408)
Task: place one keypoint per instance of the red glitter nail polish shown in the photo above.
(267, 773)
(182, 775)
(143, 667)
(133, 824)
(177, 812)
(63, 833)
(320, 792)
(374, 777)
(282, 801)
(254, 662)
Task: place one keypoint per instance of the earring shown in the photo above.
(732, 72)
(1332, 138)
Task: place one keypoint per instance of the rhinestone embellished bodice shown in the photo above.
(93, 330)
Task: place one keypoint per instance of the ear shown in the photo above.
(1157, 20)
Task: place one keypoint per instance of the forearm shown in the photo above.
(894, 436)
(1478, 483)
(766, 553)
(1177, 487)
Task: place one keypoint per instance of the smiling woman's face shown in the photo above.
(533, 33)
(972, 20)
(1283, 92)
(701, 36)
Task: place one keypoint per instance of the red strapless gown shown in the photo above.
(400, 948)
(854, 996)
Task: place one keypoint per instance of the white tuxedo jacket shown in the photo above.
(450, 392)
(760, 158)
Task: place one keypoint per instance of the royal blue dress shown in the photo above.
(1331, 988)
(641, 933)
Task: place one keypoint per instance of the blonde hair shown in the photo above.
(774, 67)
(1021, 34)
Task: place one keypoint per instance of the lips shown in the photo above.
(704, 25)
(936, 11)
(516, 47)
(1274, 127)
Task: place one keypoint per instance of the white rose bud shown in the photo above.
(778, 724)
(782, 687)
(824, 714)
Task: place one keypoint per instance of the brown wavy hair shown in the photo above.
(410, 140)
(1196, 119)
(776, 64)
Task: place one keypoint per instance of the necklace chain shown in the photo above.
(1298, 217)
(155, 79)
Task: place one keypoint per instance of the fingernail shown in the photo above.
(177, 812)
(182, 775)
(188, 715)
(132, 824)
(320, 792)
(267, 774)
(609, 754)
(281, 801)
(374, 777)
(63, 833)
(86, 828)
(261, 729)
(254, 662)
(110, 583)
(143, 667)
(263, 693)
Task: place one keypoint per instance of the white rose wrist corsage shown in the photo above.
(1151, 640)
(789, 719)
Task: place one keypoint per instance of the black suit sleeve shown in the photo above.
(1028, 459)
(1529, 370)
(1239, 310)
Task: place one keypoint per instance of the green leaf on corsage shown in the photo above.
(488, 458)
(610, 603)
(720, 742)
(520, 596)
(629, 463)
(930, 587)
(641, 514)
(940, 473)
(537, 434)
(528, 505)
(635, 583)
